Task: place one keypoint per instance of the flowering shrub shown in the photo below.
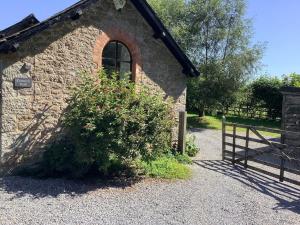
(108, 121)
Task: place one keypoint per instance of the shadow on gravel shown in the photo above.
(288, 196)
(39, 188)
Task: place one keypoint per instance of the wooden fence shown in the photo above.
(276, 155)
(249, 112)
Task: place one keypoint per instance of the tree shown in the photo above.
(266, 92)
(292, 79)
(216, 36)
(172, 13)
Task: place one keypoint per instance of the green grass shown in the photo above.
(167, 168)
(215, 122)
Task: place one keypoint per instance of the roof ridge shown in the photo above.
(54, 17)
(26, 22)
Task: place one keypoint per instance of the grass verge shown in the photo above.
(215, 122)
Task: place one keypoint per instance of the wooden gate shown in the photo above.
(270, 153)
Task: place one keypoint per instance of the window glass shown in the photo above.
(117, 58)
(110, 51)
(124, 68)
(123, 53)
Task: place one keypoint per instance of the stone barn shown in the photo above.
(39, 61)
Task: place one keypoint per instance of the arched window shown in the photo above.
(117, 58)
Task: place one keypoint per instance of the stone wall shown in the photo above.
(30, 118)
(291, 115)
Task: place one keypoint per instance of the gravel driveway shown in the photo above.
(217, 194)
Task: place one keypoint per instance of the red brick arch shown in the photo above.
(114, 34)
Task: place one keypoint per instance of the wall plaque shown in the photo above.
(22, 83)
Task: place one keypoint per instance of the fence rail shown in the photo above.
(249, 112)
(278, 151)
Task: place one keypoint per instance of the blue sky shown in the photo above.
(276, 22)
(13, 11)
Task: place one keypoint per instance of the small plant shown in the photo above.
(183, 159)
(167, 168)
(191, 148)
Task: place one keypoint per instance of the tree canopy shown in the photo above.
(292, 79)
(217, 37)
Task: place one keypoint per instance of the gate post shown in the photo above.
(223, 137)
(234, 144)
(247, 148)
(281, 177)
(182, 132)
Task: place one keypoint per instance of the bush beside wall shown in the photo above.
(110, 123)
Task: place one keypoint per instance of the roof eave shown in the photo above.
(160, 31)
(25, 23)
(7, 43)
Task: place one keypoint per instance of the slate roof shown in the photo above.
(27, 22)
(13, 36)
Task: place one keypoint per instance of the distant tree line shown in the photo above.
(264, 93)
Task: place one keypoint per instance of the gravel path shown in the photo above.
(217, 194)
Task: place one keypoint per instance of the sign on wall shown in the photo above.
(22, 83)
(119, 4)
